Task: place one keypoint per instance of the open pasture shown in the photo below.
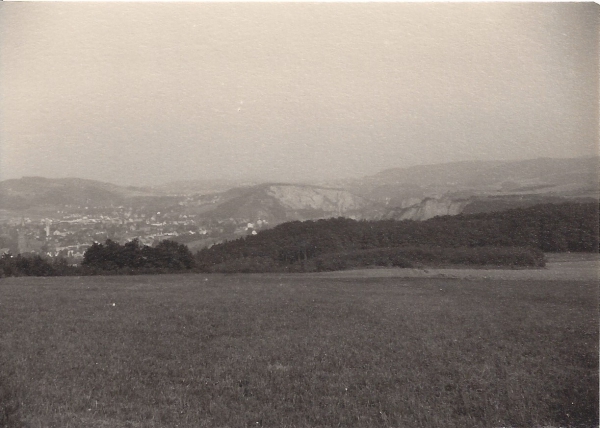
(297, 351)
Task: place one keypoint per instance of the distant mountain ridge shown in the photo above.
(272, 202)
(191, 187)
(423, 192)
(417, 193)
(559, 177)
(28, 192)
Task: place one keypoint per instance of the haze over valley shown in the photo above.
(299, 214)
(207, 122)
(65, 216)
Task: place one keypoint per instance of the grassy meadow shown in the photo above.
(297, 351)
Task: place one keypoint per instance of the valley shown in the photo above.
(63, 217)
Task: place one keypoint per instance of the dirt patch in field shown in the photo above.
(559, 267)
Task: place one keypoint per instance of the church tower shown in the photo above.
(47, 228)
(22, 246)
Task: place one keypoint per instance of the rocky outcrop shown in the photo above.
(278, 203)
(315, 198)
(429, 208)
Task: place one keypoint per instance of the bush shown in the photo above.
(247, 265)
(497, 256)
(402, 257)
(406, 257)
(390, 257)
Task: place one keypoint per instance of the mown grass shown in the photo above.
(296, 351)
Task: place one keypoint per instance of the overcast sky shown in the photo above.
(146, 93)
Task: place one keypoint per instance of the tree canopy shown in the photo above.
(548, 228)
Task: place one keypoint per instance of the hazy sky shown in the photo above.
(145, 93)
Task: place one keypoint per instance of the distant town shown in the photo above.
(71, 232)
(64, 217)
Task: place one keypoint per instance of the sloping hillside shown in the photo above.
(403, 187)
(549, 228)
(416, 193)
(39, 192)
(448, 205)
(278, 203)
(195, 187)
(423, 192)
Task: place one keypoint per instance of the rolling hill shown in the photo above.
(423, 192)
(29, 192)
(278, 203)
(417, 193)
(196, 187)
(576, 177)
(39, 195)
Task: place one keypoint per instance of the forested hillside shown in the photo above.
(515, 238)
(547, 228)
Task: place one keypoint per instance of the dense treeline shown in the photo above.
(429, 256)
(109, 258)
(515, 238)
(34, 266)
(548, 228)
(404, 257)
(167, 256)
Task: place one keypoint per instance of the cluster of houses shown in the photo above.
(71, 235)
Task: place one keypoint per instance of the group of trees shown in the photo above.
(108, 258)
(546, 228)
(167, 256)
(515, 237)
(34, 266)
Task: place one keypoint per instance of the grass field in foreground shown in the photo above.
(294, 351)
